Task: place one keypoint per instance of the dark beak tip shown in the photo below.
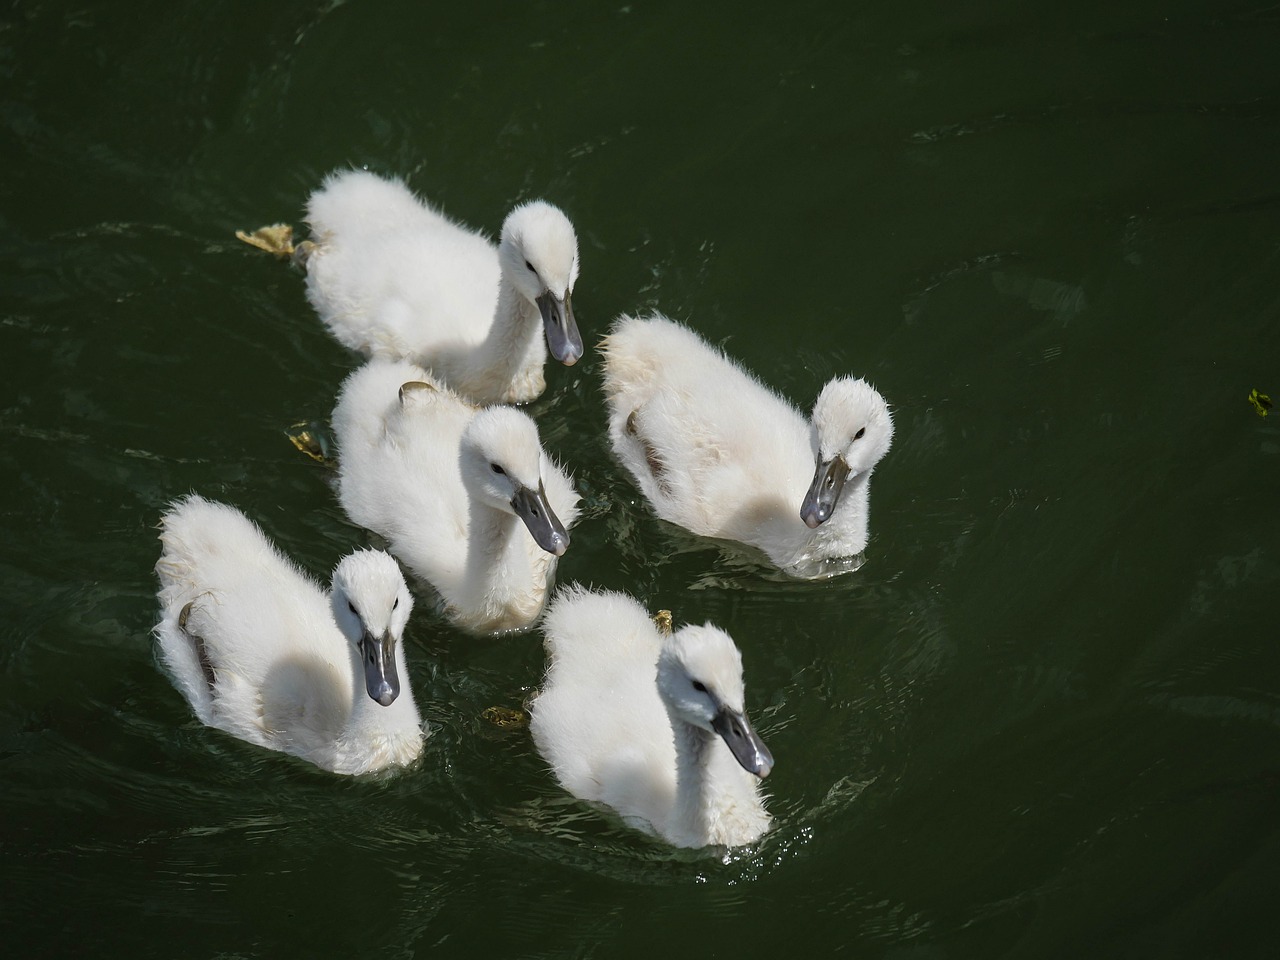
(571, 350)
(385, 693)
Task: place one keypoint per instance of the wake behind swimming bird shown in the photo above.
(393, 278)
(260, 651)
(717, 452)
(465, 497)
(652, 725)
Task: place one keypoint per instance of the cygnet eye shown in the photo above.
(352, 607)
(395, 603)
(699, 686)
(497, 468)
(530, 266)
(861, 431)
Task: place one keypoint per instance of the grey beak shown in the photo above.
(824, 493)
(380, 678)
(544, 526)
(745, 744)
(563, 339)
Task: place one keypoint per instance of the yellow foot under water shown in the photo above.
(277, 240)
(662, 620)
(311, 438)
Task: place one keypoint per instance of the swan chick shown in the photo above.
(260, 651)
(465, 496)
(717, 452)
(394, 278)
(650, 724)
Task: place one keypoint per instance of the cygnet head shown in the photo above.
(700, 679)
(371, 604)
(853, 429)
(538, 252)
(502, 465)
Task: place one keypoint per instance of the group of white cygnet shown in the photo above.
(632, 714)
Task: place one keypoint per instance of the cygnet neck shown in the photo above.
(514, 350)
(695, 794)
(497, 565)
(848, 524)
(368, 717)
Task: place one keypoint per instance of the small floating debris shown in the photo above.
(505, 718)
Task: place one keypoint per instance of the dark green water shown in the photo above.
(1042, 721)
